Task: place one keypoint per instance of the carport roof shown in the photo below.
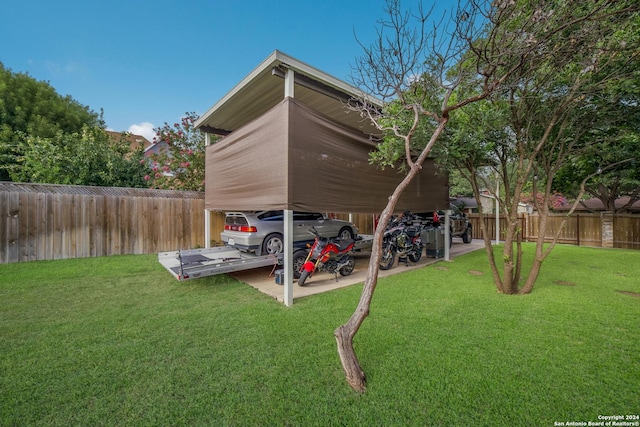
(263, 88)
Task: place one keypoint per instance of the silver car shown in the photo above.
(262, 232)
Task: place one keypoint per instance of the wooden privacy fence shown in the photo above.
(490, 222)
(43, 222)
(581, 229)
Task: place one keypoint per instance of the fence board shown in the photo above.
(90, 217)
(589, 232)
(217, 226)
(32, 228)
(49, 226)
(13, 226)
(100, 224)
(626, 232)
(4, 226)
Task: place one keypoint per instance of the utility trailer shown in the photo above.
(194, 263)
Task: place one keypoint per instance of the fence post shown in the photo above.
(607, 229)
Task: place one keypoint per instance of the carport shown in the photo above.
(291, 143)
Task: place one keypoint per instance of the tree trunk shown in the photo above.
(518, 273)
(353, 372)
(344, 334)
(534, 272)
(512, 258)
(485, 233)
(507, 257)
(540, 255)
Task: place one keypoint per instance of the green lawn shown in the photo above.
(118, 341)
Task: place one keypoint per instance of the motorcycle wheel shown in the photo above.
(415, 255)
(388, 257)
(348, 269)
(303, 278)
(299, 257)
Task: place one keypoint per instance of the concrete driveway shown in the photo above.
(263, 279)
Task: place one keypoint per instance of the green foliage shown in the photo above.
(568, 110)
(613, 166)
(179, 163)
(33, 108)
(89, 157)
(609, 160)
(118, 341)
(10, 144)
(458, 185)
(397, 121)
(478, 136)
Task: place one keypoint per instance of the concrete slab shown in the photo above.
(263, 279)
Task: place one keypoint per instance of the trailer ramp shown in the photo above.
(195, 263)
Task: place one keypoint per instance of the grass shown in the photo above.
(117, 341)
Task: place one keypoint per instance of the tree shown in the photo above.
(89, 157)
(427, 77)
(552, 113)
(179, 163)
(424, 75)
(611, 150)
(610, 183)
(33, 108)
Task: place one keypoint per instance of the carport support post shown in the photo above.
(207, 228)
(207, 212)
(447, 235)
(288, 216)
(288, 258)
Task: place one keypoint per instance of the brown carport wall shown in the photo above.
(293, 157)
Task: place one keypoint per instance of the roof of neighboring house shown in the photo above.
(135, 140)
(596, 204)
(158, 147)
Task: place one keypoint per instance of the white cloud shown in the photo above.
(145, 129)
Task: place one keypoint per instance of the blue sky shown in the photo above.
(148, 62)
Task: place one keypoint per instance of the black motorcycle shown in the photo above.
(403, 238)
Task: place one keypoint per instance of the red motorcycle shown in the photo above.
(326, 254)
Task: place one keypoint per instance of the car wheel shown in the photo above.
(345, 233)
(273, 244)
(466, 237)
